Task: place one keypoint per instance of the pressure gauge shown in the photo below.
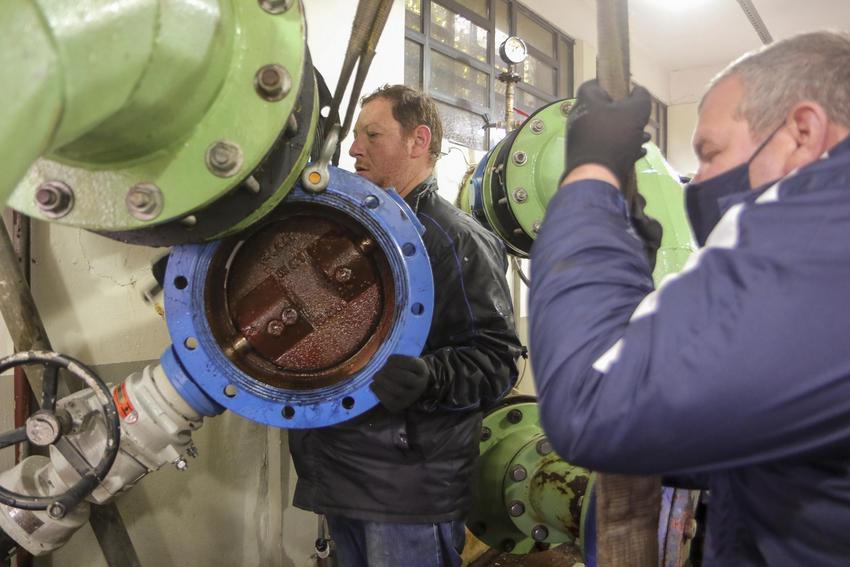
(513, 50)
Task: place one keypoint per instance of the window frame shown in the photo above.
(491, 68)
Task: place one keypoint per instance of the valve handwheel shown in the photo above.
(45, 427)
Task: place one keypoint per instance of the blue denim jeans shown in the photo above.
(382, 544)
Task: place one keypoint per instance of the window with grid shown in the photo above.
(451, 52)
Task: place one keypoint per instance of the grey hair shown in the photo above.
(811, 66)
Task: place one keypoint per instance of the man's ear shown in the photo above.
(809, 128)
(421, 138)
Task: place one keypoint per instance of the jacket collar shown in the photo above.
(421, 191)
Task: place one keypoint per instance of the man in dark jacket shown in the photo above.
(736, 370)
(395, 482)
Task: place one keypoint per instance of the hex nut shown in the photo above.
(54, 199)
(272, 82)
(224, 158)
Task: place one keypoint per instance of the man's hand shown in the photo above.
(607, 133)
(401, 382)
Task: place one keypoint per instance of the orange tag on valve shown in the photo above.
(122, 402)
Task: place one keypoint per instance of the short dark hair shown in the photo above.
(412, 108)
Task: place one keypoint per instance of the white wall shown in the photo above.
(686, 89)
(681, 121)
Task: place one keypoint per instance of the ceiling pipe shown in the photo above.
(755, 19)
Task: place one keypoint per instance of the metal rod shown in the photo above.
(111, 534)
(367, 53)
(627, 507)
(754, 17)
(17, 435)
(22, 391)
(18, 308)
(360, 30)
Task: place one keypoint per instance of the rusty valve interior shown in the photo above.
(303, 301)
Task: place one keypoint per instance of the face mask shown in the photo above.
(705, 200)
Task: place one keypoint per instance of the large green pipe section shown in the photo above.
(30, 99)
(524, 494)
(118, 115)
(525, 497)
(87, 76)
(509, 190)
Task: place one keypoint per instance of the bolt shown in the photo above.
(43, 428)
(518, 473)
(539, 532)
(276, 6)
(189, 221)
(508, 545)
(292, 125)
(520, 157)
(566, 106)
(224, 158)
(321, 545)
(181, 464)
(544, 447)
(144, 201)
(239, 346)
(57, 510)
(371, 202)
(272, 82)
(520, 195)
(289, 316)
(275, 327)
(486, 433)
(192, 451)
(537, 126)
(516, 509)
(342, 275)
(536, 226)
(54, 199)
(251, 185)
(514, 416)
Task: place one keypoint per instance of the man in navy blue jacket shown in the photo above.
(736, 370)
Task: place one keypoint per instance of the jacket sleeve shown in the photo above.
(735, 361)
(472, 346)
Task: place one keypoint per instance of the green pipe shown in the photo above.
(557, 494)
(31, 99)
(82, 79)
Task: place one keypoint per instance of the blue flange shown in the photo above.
(398, 232)
(476, 193)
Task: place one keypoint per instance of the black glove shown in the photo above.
(605, 132)
(401, 382)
